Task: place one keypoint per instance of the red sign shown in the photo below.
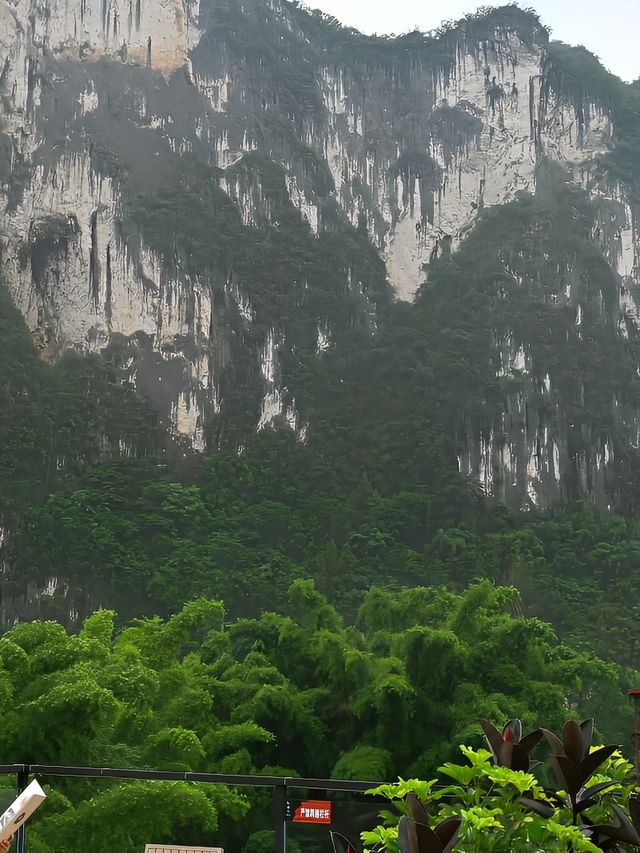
(313, 811)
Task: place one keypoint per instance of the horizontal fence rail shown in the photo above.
(177, 776)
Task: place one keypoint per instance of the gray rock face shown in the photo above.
(409, 139)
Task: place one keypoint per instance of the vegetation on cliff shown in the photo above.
(431, 603)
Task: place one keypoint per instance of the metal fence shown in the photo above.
(281, 785)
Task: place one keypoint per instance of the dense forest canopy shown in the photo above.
(296, 692)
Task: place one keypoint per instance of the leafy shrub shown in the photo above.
(496, 802)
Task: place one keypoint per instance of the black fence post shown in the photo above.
(280, 807)
(21, 838)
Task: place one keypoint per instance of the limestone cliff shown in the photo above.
(269, 128)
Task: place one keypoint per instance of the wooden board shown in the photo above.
(178, 848)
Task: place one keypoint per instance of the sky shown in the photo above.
(609, 28)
